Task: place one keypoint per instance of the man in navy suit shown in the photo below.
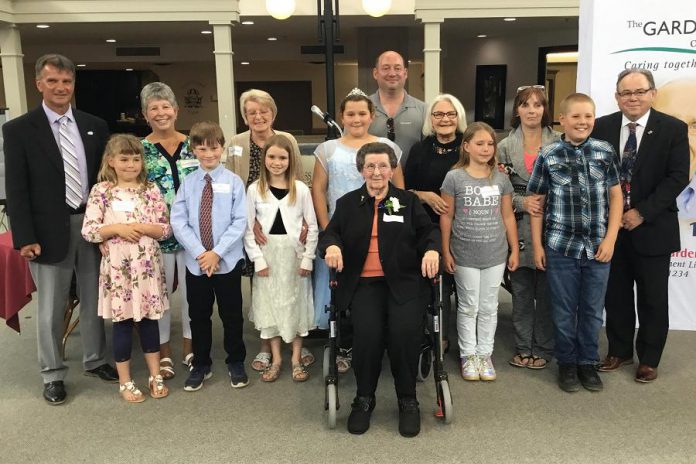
(52, 156)
(654, 152)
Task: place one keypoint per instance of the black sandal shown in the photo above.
(532, 364)
(521, 360)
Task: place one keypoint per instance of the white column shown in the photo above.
(13, 70)
(224, 73)
(431, 53)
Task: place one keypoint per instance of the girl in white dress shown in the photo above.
(281, 304)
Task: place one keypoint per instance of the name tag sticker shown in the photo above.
(221, 188)
(189, 163)
(235, 150)
(123, 206)
(394, 218)
(490, 191)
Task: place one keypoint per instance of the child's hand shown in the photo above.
(304, 272)
(129, 232)
(208, 262)
(263, 272)
(540, 258)
(259, 237)
(513, 261)
(605, 251)
(449, 262)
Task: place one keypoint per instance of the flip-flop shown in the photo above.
(261, 362)
(306, 357)
(520, 360)
(535, 364)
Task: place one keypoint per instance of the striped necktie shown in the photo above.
(73, 185)
(205, 220)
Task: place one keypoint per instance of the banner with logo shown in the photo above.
(659, 36)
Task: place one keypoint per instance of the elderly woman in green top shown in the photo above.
(168, 159)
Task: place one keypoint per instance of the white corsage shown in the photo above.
(393, 206)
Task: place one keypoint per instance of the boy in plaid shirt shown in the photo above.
(578, 179)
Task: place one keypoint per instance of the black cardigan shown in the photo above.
(401, 245)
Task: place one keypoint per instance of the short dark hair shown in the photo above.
(645, 72)
(61, 62)
(375, 148)
(522, 97)
(206, 133)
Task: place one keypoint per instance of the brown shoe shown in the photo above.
(646, 374)
(612, 363)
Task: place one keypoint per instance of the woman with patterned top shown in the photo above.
(426, 168)
(259, 110)
(168, 159)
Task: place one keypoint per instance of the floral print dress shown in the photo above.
(131, 275)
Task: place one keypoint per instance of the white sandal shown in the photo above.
(129, 388)
(188, 361)
(166, 368)
(261, 362)
(157, 387)
(306, 357)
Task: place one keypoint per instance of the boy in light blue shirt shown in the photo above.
(208, 218)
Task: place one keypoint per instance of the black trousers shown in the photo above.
(379, 322)
(650, 274)
(201, 292)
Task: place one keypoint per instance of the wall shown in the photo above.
(460, 57)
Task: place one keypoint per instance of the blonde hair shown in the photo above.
(469, 133)
(283, 143)
(576, 98)
(261, 97)
(121, 144)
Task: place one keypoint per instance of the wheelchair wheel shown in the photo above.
(425, 362)
(331, 404)
(445, 402)
(327, 360)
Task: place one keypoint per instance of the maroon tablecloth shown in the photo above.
(16, 284)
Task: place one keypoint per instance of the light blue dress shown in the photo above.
(338, 160)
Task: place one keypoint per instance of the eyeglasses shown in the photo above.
(370, 168)
(253, 114)
(391, 135)
(525, 87)
(625, 94)
(439, 114)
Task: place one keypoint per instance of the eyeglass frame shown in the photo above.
(439, 115)
(640, 93)
(370, 168)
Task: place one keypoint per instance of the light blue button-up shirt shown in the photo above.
(228, 215)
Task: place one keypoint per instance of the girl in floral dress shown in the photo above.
(129, 216)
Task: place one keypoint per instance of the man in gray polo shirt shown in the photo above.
(398, 116)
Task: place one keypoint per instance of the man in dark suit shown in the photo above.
(654, 153)
(52, 155)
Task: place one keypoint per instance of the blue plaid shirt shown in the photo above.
(576, 181)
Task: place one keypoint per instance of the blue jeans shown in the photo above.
(577, 288)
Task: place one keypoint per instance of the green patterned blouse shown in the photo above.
(160, 171)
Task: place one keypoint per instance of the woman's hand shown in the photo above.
(259, 237)
(449, 262)
(435, 201)
(304, 272)
(334, 258)
(430, 264)
(129, 232)
(534, 204)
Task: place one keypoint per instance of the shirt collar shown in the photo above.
(53, 116)
(642, 121)
(215, 173)
(568, 144)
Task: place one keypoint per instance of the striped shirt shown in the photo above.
(576, 181)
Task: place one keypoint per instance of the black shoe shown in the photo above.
(568, 378)
(587, 373)
(409, 417)
(359, 419)
(106, 372)
(54, 392)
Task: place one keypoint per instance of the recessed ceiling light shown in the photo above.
(42, 26)
(272, 38)
(206, 32)
(81, 65)
(509, 19)
(111, 40)
(482, 36)
(248, 23)
(129, 69)
(244, 63)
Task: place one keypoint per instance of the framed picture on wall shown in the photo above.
(490, 94)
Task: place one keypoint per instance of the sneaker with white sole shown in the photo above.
(470, 369)
(196, 378)
(486, 369)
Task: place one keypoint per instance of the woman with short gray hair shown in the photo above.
(168, 159)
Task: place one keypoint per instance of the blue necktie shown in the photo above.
(628, 160)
